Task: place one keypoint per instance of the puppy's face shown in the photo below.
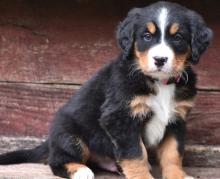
(163, 38)
(162, 44)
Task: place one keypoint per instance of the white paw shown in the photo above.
(83, 173)
(189, 177)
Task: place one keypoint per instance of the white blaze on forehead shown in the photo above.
(162, 49)
(162, 19)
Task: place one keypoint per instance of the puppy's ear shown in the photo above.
(125, 32)
(201, 36)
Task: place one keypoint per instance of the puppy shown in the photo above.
(139, 101)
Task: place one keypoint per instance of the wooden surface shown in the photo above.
(48, 49)
(194, 156)
(28, 110)
(203, 123)
(37, 171)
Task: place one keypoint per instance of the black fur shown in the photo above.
(177, 130)
(126, 31)
(99, 114)
(38, 154)
(201, 36)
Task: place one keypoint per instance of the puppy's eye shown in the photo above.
(147, 36)
(177, 38)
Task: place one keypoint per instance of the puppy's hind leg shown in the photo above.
(69, 159)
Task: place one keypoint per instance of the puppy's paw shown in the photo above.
(83, 173)
(189, 177)
(151, 177)
(175, 172)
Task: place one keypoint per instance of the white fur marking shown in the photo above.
(161, 49)
(162, 22)
(189, 177)
(83, 173)
(163, 107)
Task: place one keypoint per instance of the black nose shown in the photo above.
(160, 61)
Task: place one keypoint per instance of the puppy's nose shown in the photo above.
(160, 61)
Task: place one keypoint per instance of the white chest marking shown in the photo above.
(163, 108)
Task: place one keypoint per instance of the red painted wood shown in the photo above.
(28, 110)
(203, 124)
(66, 42)
(208, 68)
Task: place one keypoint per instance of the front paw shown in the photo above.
(150, 177)
(189, 177)
(175, 173)
(83, 173)
(140, 176)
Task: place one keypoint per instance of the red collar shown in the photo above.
(171, 80)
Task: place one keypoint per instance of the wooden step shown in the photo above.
(40, 171)
(195, 155)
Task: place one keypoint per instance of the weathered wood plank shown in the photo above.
(48, 45)
(39, 171)
(201, 155)
(208, 67)
(195, 155)
(28, 110)
(203, 124)
(57, 43)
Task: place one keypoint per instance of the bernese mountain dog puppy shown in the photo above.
(139, 101)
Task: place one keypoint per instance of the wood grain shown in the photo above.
(28, 110)
(54, 42)
(195, 155)
(203, 124)
(39, 171)
(202, 156)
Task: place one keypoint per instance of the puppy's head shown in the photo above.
(163, 38)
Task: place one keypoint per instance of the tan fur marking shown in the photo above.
(180, 61)
(151, 27)
(139, 107)
(174, 28)
(73, 167)
(85, 152)
(137, 168)
(84, 149)
(170, 159)
(182, 111)
(141, 58)
(183, 108)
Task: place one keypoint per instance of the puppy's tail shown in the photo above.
(36, 155)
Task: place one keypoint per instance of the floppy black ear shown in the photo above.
(125, 32)
(201, 36)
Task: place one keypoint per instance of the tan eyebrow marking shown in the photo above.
(151, 27)
(174, 28)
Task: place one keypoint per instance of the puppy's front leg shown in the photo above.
(136, 168)
(170, 152)
(124, 133)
